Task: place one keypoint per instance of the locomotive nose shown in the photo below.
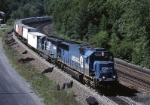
(104, 69)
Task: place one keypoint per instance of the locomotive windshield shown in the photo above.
(103, 56)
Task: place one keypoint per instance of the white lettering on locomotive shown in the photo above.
(48, 46)
(81, 61)
(106, 69)
(76, 59)
(54, 47)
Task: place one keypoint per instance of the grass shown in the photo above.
(39, 83)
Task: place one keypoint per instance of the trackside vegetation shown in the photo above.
(40, 84)
(122, 26)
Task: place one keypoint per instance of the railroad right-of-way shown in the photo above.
(134, 85)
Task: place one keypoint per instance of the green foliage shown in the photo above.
(3, 5)
(121, 26)
(10, 22)
(24, 8)
(28, 10)
(122, 49)
(101, 39)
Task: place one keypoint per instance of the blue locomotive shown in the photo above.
(93, 66)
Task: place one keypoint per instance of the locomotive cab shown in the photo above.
(101, 67)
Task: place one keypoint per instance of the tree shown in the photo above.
(101, 39)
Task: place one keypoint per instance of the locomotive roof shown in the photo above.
(66, 42)
(53, 38)
(75, 44)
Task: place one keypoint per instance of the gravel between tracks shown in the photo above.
(81, 92)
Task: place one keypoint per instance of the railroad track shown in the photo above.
(40, 28)
(134, 82)
(137, 77)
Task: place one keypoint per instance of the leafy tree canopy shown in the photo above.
(122, 26)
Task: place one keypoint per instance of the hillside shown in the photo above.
(122, 26)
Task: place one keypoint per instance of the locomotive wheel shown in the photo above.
(88, 83)
(95, 84)
(62, 66)
(83, 82)
(50, 61)
(59, 65)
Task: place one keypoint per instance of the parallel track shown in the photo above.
(137, 77)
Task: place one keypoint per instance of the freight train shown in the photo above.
(92, 66)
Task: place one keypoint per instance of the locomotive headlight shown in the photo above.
(103, 77)
(114, 76)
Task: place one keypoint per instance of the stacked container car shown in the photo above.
(34, 38)
(47, 18)
(40, 19)
(20, 30)
(26, 30)
(16, 25)
(30, 20)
